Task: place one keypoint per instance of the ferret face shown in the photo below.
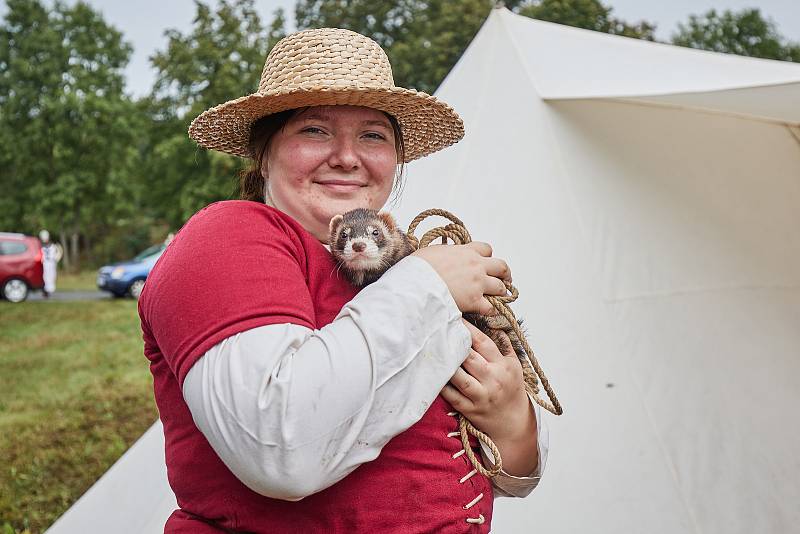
(365, 243)
(360, 243)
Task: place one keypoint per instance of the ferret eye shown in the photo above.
(376, 232)
(343, 235)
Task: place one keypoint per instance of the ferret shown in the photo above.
(365, 243)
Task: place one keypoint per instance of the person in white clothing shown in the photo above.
(51, 255)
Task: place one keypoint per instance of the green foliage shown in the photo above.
(96, 168)
(746, 33)
(68, 127)
(438, 35)
(587, 14)
(221, 58)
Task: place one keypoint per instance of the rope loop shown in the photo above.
(532, 372)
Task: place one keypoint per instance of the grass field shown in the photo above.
(82, 281)
(75, 393)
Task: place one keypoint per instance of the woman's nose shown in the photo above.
(344, 155)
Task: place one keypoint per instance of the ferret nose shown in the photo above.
(359, 246)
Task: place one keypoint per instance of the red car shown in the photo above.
(20, 266)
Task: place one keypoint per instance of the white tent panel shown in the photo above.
(505, 194)
(564, 62)
(678, 201)
(658, 259)
(689, 221)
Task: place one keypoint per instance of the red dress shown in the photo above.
(238, 265)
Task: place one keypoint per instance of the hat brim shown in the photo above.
(427, 124)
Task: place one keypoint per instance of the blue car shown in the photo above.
(127, 277)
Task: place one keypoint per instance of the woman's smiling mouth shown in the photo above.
(340, 186)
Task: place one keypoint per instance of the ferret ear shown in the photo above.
(388, 220)
(335, 220)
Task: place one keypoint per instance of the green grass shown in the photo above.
(75, 393)
(82, 281)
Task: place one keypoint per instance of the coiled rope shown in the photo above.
(532, 372)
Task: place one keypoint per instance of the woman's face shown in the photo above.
(328, 160)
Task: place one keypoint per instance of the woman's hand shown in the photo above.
(489, 391)
(470, 272)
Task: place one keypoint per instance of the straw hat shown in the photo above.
(329, 66)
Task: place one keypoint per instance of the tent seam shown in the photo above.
(721, 89)
(694, 109)
(794, 129)
(700, 291)
(521, 60)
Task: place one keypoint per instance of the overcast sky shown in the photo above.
(143, 22)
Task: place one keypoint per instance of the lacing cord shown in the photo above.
(472, 520)
(531, 370)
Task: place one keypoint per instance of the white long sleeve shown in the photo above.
(291, 410)
(506, 485)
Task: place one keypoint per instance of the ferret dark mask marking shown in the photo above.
(365, 243)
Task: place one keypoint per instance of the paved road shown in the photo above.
(62, 296)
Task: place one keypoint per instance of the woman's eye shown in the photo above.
(312, 129)
(375, 135)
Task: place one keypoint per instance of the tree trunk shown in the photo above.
(87, 243)
(76, 258)
(62, 237)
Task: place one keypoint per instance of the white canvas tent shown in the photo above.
(647, 198)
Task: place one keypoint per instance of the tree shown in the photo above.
(746, 33)
(439, 33)
(67, 125)
(220, 59)
(587, 14)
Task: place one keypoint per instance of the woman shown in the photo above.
(291, 402)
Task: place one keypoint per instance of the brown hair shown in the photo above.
(252, 184)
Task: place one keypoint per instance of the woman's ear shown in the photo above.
(388, 220)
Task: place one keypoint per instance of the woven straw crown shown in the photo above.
(329, 66)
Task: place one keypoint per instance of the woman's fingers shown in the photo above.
(467, 385)
(498, 268)
(484, 249)
(494, 266)
(470, 273)
(483, 344)
(456, 399)
(494, 286)
(485, 307)
(476, 367)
